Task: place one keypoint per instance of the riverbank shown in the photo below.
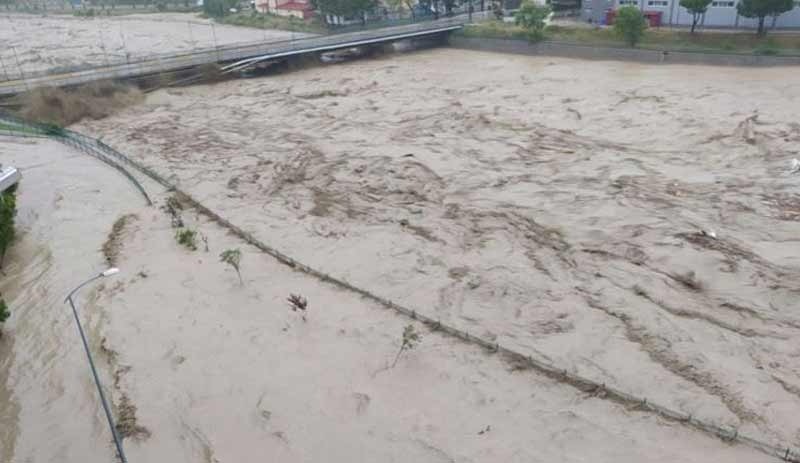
(655, 39)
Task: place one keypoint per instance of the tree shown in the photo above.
(344, 8)
(232, 257)
(761, 9)
(8, 209)
(410, 339)
(532, 16)
(4, 313)
(218, 8)
(697, 8)
(630, 24)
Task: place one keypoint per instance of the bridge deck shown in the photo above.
(238, 54)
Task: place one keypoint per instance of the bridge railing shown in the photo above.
(154, 63)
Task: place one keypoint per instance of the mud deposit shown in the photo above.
(53, 42)
(563, 208)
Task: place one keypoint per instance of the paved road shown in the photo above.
(230, 54)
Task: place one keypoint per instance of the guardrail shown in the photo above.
(172, 62)
(560, 373)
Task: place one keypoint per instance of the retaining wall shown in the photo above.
(567, 50)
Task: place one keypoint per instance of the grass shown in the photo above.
(654, 39)
(271, 21)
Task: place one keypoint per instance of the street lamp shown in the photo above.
(117, 441)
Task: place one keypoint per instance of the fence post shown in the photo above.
(19, 67)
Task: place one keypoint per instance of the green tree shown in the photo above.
(532, 16)
(697, 8)
(218, 8)
(761, 9)
(4, 313)
(630, 25)
(410, 339)
(344, 8)
(232, 257)
(8, 209)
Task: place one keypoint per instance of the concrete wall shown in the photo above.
(618, 54)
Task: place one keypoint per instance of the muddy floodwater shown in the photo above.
(638, 225)
(35, 43)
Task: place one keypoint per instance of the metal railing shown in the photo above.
(23, 81)
(558, 372)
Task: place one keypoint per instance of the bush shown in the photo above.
(630, 25)
(187, 237)
(8, 209)
(232, 257)
(4, 313)
(161, 6)
(532, 16)
(218, 8)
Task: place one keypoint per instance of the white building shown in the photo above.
(721, 13)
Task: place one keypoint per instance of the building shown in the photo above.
(720, 14)
(298, 8)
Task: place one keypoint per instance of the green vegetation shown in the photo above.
(232, 257)
(653, 39)
(4, 312)
(761, 9)
(8, 210)
(410, 340)
(630, 25)
(271, 21)
(697, 8)
(187, 237)
(344, 8)
(531, 17)
(218, 8)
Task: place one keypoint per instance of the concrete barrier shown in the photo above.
(567, 50)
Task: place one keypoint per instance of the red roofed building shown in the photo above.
(298, 8)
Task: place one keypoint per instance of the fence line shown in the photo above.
(546, 368)
(16, 127)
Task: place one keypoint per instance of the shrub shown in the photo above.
(630, 25)
(298, 303)
(187, 237)
(8, 210)
(4, 313)
(532, 17)
(232, 257)
(161, 6)
(410, 340)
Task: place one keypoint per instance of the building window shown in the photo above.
(657, 3)
(628, 2)
(723, 4)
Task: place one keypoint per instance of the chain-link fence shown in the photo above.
(558, 372)
(12, 126)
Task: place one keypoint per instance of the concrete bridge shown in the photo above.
(230, 58)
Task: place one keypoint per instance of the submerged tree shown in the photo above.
(410, 339)
(232, 257)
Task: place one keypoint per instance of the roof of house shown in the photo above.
(295, 5)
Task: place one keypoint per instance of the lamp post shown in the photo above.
(110, 419)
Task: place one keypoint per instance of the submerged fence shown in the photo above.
(556, 372)
(10, 125)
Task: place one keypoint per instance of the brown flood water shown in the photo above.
(46, 389)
